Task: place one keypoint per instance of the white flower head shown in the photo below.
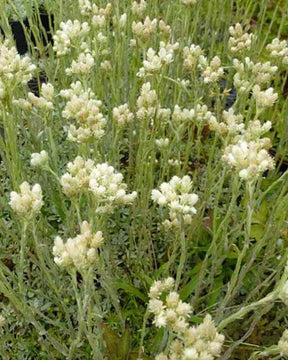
(239, 40)
(177, 197)
(191, 56)
(15, 70)
(76, 180)
(189, 2)
(85, 109)
(283, 344)
(47, 91)
(283, 294)
(39, 159)
(28, 202)
(122, 115)
(144, 30)
(279, 50)
(211, 72)
(147, 102)
(79, 252)
(138, 8)
(108, 188)
(249, 159)
(70, 33)
(265, 98)
(250, 74)
(155, 61)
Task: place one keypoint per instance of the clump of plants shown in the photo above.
(144, 192)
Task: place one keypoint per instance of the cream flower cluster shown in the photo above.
(182, 115)
(101, 180)
(106, 65)
(163, 114)
(138, 8)
(283, 294)
(42, 103)
(239, 40)
(85, 109)
(102, 40)
(70, 34)
(254, 130)
(2, 321)
(249, 74)
(212, 71)
(278, 49)
(120, 21)
(45, 101)
(172, 312)
(162, 143)
(79, 252)
(147, 102)
(174, 162)
(231, 125)
(47, 91)
(191, 56)
(108, 188)
(144, 30)
(202, 114)
(122, 115)
(85, 7)
(164, 29)
(191, 343)
(177, 196)
(249, 159)
(14, 69)
(266, 98)
(76, 180)
(83, 65)
(283, 344)
(28, 202)
(39, 159)
(189, 2)
(101, 16)
(155, 62)
(22, 104)
(39, 102)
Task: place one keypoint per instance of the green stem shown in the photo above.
(111, 292)
(87, 309)
(46, 272)
(245, 310)
(145, 319)
(22, 257)
(183, 254)
(250, 207)
(80, 315)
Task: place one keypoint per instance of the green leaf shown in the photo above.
(260, 216)
(196, 319)
(187, 290)
(124, 346)
(257, 231)
(134, 356)
(192, 284)
(130, 289)
(158, 339)
(163, 268)
(213, 295)
(112, 341)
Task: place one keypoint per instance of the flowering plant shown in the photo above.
(143, 192)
